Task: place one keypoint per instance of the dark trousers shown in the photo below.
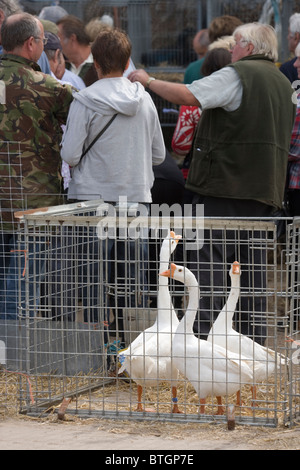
(212, 262)
(294, 202)
(14, 258)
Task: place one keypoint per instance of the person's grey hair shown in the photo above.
(15, 33)
(10, 7)
(261, 36)
(50, 53)
(108, 20)
(294, 23)
(52, 13)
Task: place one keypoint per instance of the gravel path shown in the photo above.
(107, 435)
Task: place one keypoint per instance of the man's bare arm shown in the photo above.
(176, 93)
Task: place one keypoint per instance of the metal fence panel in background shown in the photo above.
(162, 31)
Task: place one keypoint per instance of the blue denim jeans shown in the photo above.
(14, 259)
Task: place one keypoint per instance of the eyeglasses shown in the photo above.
(238, 43)
(45, 40)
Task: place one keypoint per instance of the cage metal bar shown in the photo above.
(293, 378)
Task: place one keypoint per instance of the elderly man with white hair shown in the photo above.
(239, 161)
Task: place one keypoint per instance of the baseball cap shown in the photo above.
(53, 42)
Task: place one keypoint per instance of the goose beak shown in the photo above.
(169, 272)
(166, 273)
(236, 267)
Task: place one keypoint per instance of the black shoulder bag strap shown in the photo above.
(98, 136)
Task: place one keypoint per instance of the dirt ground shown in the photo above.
(20, 433)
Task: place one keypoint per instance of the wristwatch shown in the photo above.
(150, 79)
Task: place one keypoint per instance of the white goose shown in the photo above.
(208, 367)
(265, 360)
(147, 359)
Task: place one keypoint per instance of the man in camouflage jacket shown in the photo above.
(33, 106)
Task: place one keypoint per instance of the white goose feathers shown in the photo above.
(148, 359)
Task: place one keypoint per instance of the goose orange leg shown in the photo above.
(220, 407)
(139, 405)
(139, 393)
(202, 405)
(174, 400)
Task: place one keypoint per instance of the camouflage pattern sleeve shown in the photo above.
(33, 107)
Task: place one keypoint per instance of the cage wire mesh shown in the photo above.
(294, 316)
(71, 285)
(90, 291)
(11, 197)
(13, 258)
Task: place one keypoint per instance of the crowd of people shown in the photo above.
(65, 81)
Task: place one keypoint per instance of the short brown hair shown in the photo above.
(111, 50)
(215, 60)
(223, 26)
(73, 25)
(17, 28)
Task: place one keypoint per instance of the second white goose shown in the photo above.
(210, 369)
(148, 359)
(264, 360)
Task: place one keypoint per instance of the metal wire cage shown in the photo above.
(293, 313)
(89, 286)
(12, 198)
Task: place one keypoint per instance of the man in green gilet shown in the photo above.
(239, 161)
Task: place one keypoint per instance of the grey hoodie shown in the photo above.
(120, 162)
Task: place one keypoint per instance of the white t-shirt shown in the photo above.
(221, 89)
(77, 70)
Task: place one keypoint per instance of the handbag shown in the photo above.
(98, 136)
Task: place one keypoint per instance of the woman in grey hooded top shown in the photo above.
(120, 162)
(118, 165)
